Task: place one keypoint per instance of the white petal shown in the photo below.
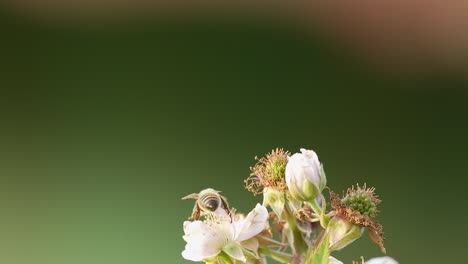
(202, 241)
(234, 250)
(195, 254)
(252, 225)
(238, 222)
(332, 260)
(222, 215)
(311, 155)
(382, 260)
(226, 229)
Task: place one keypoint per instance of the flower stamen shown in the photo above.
(268, 172)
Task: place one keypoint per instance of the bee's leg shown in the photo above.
(226, 206)
(196, 212)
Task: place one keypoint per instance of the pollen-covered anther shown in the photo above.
(268, 172)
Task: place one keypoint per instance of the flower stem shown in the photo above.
(323, 218)
(276, 255)
(299, 246)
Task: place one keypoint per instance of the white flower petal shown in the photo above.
(332, 260)
(252, 225)
(202, 241)
(221, 214)
(194, 253)
(226, 229)
(311, 155)
(381, 260)
(234, 250)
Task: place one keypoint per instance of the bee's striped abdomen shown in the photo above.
(209, 201)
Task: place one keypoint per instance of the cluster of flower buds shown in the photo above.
(292, 186)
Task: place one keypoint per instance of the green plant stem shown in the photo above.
(276, 255)
(323, 218)
(299, 244)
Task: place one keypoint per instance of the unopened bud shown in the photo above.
(305, 176)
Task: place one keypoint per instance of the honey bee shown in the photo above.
(208, 201)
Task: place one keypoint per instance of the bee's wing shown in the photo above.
(210, 190)
(193, 196)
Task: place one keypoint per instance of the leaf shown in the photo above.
(320, 254)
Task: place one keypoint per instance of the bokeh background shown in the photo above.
(107, 123)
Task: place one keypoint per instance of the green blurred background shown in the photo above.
(105, 128)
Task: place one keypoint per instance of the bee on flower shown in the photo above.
(217, 236)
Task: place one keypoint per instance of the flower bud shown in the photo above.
(305, 177)
(342, 232)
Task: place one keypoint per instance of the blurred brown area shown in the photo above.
(404, 33)
(400, 35)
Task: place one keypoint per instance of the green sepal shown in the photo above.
(310, 190)
(221, 258)
(276, 200)
(323, 178)
(234, 251)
